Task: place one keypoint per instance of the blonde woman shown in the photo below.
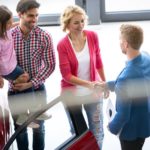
(81, 66)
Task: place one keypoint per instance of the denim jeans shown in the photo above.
(94, 113)
(38, 138)
(77, 118)
(14, 74)
(17, 98)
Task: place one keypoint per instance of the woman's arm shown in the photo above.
(77, 81)
(102, 74)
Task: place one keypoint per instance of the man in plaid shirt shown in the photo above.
(35, 54)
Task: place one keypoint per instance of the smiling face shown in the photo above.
(29, 19)
(76, 23)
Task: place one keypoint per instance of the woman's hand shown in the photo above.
(101, 87)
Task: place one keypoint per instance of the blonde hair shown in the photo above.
(68, 14)
(133, 34)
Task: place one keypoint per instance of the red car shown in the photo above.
(4, 127)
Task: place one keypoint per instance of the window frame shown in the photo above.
(138, 15)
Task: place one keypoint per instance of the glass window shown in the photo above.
(49, 10)
(124, 10)
(47, 6)
(126, 5)
(10, 4)
(54, 6)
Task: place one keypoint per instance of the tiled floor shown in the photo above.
(113, 62)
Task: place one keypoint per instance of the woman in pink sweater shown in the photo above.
(81, 67)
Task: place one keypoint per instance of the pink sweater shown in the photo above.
(68, 62)
(8, 59)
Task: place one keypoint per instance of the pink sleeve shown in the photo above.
(99, 63)
(64, 64)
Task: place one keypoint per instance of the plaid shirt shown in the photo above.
(35, 54)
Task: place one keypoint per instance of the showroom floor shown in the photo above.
(113, 61)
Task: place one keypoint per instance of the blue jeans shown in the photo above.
(94, 110)
(39, 133)
(38, 138)
(74, 112)
(94, 113)
(14, 74)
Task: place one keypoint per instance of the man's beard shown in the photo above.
(123, 51)
(29, 26)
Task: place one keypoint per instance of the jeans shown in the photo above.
(77, 119)
(14, 74)
(94, 113)
(17, 98)
(38, 138)
(74, 112)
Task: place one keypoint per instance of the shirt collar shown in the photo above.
(31, 32)
(134, 60)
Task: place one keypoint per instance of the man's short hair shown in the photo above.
(25, 5)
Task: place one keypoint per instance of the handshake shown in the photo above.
(101, 87)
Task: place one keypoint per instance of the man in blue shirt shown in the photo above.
(132, 88)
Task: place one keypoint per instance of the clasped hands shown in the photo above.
(101, 87)
(22, 82)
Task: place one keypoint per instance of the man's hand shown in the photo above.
(106, 93)
(101, 87)
(1, 82)
(22, 78)
(22, 86)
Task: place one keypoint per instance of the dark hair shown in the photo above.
(25, 5)
(5, 15)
